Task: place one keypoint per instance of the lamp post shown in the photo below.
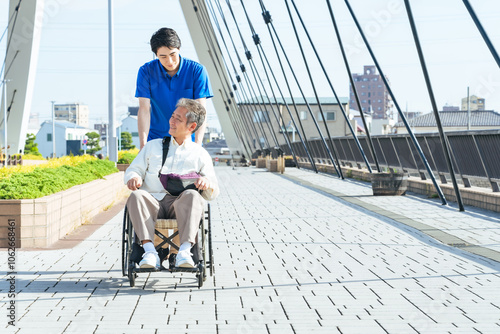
(53, 131)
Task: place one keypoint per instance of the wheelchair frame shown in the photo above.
(129, 267)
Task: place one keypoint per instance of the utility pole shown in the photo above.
(53, 131)
(468, 109)
(4, 81)
(112, 148)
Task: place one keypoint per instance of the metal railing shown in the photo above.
(475, 154)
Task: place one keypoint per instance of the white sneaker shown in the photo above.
(150, 260)
(184, 259)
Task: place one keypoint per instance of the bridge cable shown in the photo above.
(355, 137)
(255, 76)
(238, 112)
(260, 51)
(355, 90)
(247, 81)
(339, 170)
(410, 131)
(482, 31)
(205, 23)
(444, 139)
(245, 101)
(16, 12)
(262, 56)
(249, 125)
(209, 41)
(267, 19)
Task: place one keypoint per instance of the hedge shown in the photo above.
(126, 157)
(43, 180)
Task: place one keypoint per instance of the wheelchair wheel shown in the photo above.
(209, 245)
(125, 244)
(200, 275)
(203, 243)
(131, 276)
(128, 264)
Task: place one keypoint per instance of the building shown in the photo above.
(335, 121)
(34, 123)
(476, 103)
(451, 108)
(72, 112)
(216, 147)
(372, 93)
(212, 134)
(410, 115)
(133, 111)
(68, 138)
(453, 121)
(382, 126)
(101, 129)
(129, 124)
(360, 127)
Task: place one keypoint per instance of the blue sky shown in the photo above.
(72, 64)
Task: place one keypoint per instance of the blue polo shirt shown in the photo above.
(153, 82)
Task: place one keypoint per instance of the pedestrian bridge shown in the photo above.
(294, 253)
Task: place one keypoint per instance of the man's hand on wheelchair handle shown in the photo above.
(134, 183)
(202, 183)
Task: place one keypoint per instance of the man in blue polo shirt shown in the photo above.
(165, 80)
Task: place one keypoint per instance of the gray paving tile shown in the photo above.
(288, 259)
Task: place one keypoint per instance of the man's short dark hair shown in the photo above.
(165, 37)
(195, 111)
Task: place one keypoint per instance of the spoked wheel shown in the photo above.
(203, 260)
(125, 243)
(200, 274)
(128, 264)
(131, 275)
(209, 245)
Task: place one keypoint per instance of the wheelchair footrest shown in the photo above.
(148, 270)
(196, 269)
(185, 270)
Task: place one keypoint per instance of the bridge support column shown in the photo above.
(206, 56)
(23, 40)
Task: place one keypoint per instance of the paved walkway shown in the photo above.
(294, 253)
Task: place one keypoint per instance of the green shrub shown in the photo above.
(126, 157)
(30, 156)
(45, 181)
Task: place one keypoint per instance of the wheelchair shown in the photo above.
(132, 251)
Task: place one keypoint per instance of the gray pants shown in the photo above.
(187, 208)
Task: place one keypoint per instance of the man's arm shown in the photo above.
(143, 120)
(198, 136)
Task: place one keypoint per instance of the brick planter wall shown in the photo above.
(42, 221)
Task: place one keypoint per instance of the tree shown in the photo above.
(126, 141)
(30, 147)
(93, 142)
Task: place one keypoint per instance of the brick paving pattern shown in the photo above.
(289, 258)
